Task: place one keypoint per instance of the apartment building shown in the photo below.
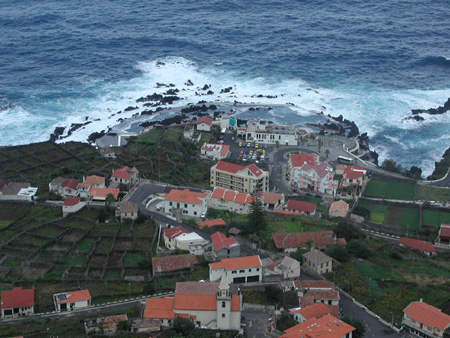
(424, 320)
(249, 179)
(264, 132)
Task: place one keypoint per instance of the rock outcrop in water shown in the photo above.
(433, 111)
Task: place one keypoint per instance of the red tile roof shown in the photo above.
(314, 284)
(200, 296)
(301, 206)
(428, 315)
(17, 297)
(126, 207)
(121, 173)
(221, 241)
(159, 308)
(327, 326)
(71, 201)
(95, 180)
(232, 196)
(111, 322)
(272, 197)
(299, 239)
(205, 119)
(225, 150)
(445, 231)
(299, 160)
(237, 263)
(235, 168)
(185, 196)
(5, 182)
(313, 311)
(286, 212)
(339, 206)
(175, 231)
(75, 296)
(320, 295)
(417, 244)
(71, 184)
(218, 193)
(212, 223)
(354, 172)
(103, 192)
(173, 263)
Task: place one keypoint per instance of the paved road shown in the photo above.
(145, 190)
(374, 328)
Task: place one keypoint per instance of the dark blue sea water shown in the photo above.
(61, 61)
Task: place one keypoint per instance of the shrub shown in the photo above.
(358, 249)
(338, 252)
(361, 211)
(272, 293)
(396, 255)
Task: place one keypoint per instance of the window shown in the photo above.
(241, 271)
(249, 270)
(223, 315)
(185, 205)
(233, 272)
(170, 203)
(223, 304)
(257, 269)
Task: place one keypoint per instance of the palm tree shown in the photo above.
(327, 152)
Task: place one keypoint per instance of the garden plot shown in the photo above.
(48, 230)
(131, 260)
(105, 229)
(390, 189)
(115, 259)
(123, 243)
(34, 273)
(143, 244)
(98, 261)
(73, 236)
(104, 246)
(435, 217)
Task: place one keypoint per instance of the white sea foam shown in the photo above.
(375, 111)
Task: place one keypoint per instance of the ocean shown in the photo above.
(64, 62)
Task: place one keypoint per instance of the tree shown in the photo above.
(391, 165)
(310, 243)
(183, 326)
(327, 152)
(256, 221)
(414, 172)
(338, 252)
(272, 293)
(110, 199)
(357, 249)
(347, 230)
(123, 325)
(357, 324)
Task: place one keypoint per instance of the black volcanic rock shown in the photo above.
(130, 108)
(413, 118)
(433, 111)
(189, 83)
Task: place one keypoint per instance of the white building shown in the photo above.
(204, 123)
(71, 205)
(69, 301)
(215, 151)
(287, 267)
(238, 270)
(307, 172)
(189, 203)
(206, 304)
(181, 239)
(249, 179)
(16, 191)
(263, 132)
(17, 303)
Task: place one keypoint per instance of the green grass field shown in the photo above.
(428, 193)
(152, 136)
(435, 217)
(390, 189)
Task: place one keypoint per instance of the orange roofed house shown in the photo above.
(290, 242)
(249, 179)
(17, 303)
(74, 300)
(125, 177)
(238, 270)
(204, 123)
(327, 326)
(425, 320)
(207, 304)
(186, 202)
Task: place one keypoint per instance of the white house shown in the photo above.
(185, 240)
(204, 123)
(71, 205)
(17, 303)
(189, 203)
(238, 270)
(287, 267)
(74, 300)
